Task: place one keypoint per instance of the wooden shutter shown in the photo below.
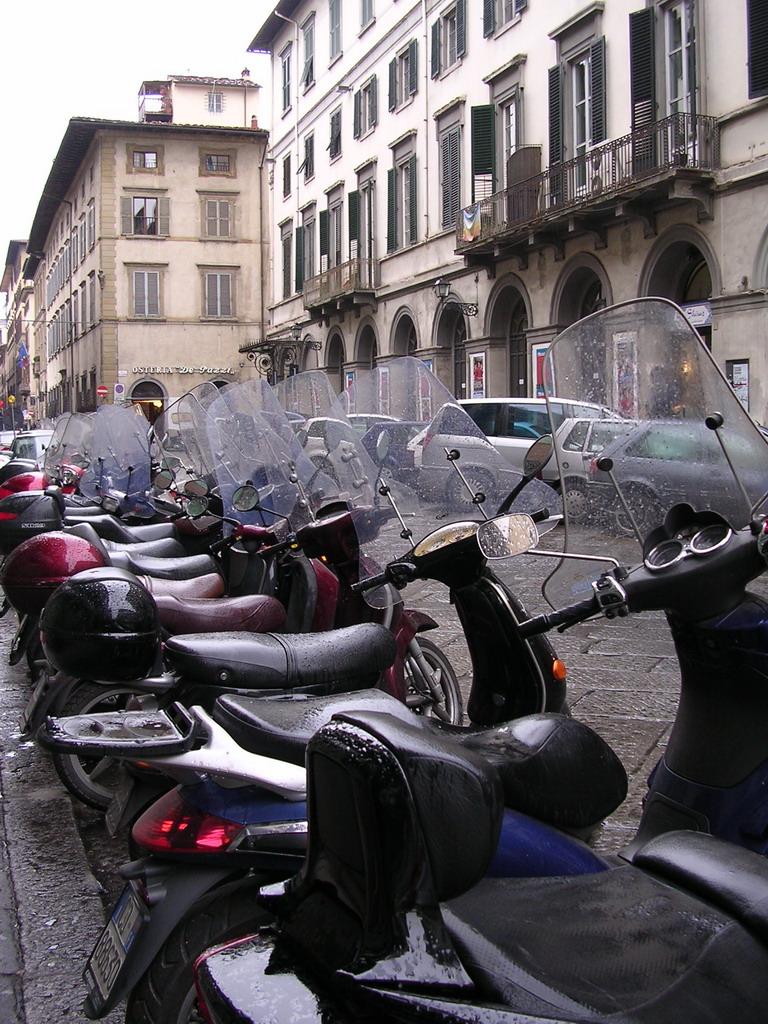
(556, 140)
(483, 127)
(225, 295)
(299, 259)
(139, 293)
(413, 67)
(642, 67)
(393, 84)
(489, 17)
(598, 90)
(358, 101)
(374, 109)
(323, 224)
(461, 27)
(520, 5)
(391, 211)
(153, 293)
(413, 200)
(353, 214)
(126, 215)
(435, 65)
(450, 178)
(757, 47)
(163, 216)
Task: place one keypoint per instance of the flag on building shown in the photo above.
(23, 356)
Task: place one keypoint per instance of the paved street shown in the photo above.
(57, 867)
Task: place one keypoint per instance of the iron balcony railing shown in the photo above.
(357, 275)
(681, 141)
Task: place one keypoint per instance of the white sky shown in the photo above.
(88, 59)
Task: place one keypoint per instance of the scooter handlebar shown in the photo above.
(563, 616)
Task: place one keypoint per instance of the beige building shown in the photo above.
(539, 160)
(18, 385)
(147, 253)
(190, 99)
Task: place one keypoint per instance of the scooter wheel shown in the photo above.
(166, 994)
(92, 780)
(438, 695)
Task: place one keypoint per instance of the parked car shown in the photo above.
(512, 424)
(578, 442)
(30, 444)
(694, 471)
(399, 461)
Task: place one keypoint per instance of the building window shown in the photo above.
(401, 203)
(483, 126)
(757, 47)
(332, 232)
(146, 293)
(308, 165)
(366, 112)
(334, 24)
(577, 93)
(145, 159)
(308, 72)
(215, 102)
(220, 163)
(287, 175)
(334, 145)
(286, 249)
(217, 162)
(308, 245)
(145, 215)
(679, 39)
(366, 13)
(403, 76)
(218, 218)
(218, 294)
(366, 220)
(285, 65)
(92, 299)
(91, 230)
(499, 13)
(450, 176)
(449, 38)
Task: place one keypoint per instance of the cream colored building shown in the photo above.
(191, 99)
(540, 159)
(17, 354)
(148, 252)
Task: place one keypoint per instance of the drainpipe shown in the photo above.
(425, 65)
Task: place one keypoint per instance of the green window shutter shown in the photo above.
(450, 177)
(556, 140)
(126, 215)
(435, 68)
(757, 47)
(356, 115)
(413, 200)
(299, 259)
(642, 67)
(163, 216)
(489, 17)
(391, 211)
(413, 67)
(323, 224)
(461, 27)
(597, 82)
(520, 5)
(392, 84)
(374, 100)
(483, 122)
(353, 212)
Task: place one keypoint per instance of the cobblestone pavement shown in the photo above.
(57, 869)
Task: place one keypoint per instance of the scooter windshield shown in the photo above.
(70, 445)
(179, 437)
(662, 392)
(435, 461)
(120, 464)
(254, 442)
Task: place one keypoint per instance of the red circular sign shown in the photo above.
(102, 390)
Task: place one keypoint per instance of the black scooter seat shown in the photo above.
(185, 568)
(110, 528)
(166, 547)
(552, 767)
(341, 659)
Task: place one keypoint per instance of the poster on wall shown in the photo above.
(737, 372)
(477, 374)
(349, 378)
(538, 353)
(625, 396)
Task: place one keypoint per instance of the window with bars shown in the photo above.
(146, 293)
(450, 176)
(218, 218)
(145, 215)
(218, 294)
(215, 102)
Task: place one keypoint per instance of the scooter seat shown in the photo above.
(209, 585)
(167, 547)
(254, 613)
(110, 528)
(184, 568)
(341, 659)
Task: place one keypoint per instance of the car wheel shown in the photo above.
(480, 481)
(577, 500)
(646, 509)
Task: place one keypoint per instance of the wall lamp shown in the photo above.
(441, 288)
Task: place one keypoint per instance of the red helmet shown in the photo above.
(34, 569)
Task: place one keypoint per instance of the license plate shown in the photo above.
(118, 803)
(109, 955)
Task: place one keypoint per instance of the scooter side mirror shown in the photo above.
(512, 534)
(245, 498)
(196, 488)
(537, 456)
(196, 507)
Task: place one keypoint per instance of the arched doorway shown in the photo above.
(682, 268)
(405, 340)
(150, 396)
(452, 336)
(508, 323)
(367, 348)
(583, 289)
(335, 361)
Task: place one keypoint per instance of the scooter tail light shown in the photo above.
(8, 515)
(172, 825)
(559, 671)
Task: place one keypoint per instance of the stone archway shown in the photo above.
(583, 288)
(367, 348)
(334, 361)
(150, 396)
(509, 320)
(682, 267)
(405, 340)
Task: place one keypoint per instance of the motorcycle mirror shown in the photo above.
(512, 534)
(196, 507)
(537, 456)
(196, 488)
(245, 498)
(163, 480)
(111, 505)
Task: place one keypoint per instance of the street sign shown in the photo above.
(102, 390)
(119, 390)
